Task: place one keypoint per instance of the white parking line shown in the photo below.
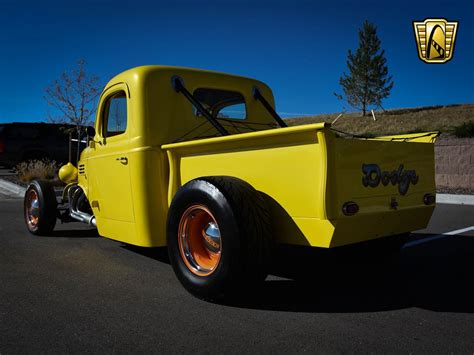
(460, 231)
(439, 236)
(10, 189)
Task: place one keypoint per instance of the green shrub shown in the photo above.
(37, 169)
(465, 130)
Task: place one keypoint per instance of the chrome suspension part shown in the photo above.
(76, 197)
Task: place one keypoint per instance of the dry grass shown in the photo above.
(466, 130)
(37, 169)
(422, 119)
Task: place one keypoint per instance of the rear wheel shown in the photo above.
(219, 236)
(40, 207)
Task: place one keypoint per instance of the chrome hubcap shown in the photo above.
(32, 208)
(212, 238)
(200, 241)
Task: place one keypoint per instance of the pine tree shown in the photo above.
(368, 82)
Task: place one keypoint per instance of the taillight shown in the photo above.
(350, 208)
(2, 146)
(429, 199)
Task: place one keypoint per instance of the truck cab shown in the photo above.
(139, 111)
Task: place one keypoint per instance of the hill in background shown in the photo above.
(397, 121)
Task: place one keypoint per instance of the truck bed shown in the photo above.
(307, 174)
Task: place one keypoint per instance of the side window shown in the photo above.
(115, 115)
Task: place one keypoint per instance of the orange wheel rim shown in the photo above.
(200, 242)
(32, 208)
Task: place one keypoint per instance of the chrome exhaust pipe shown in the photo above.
(74, 200)
(83, 217)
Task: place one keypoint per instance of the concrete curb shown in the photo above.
(10, 189)
(455, 199)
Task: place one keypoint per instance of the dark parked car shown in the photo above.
(27, 141)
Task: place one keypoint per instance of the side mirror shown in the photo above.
(90, 131)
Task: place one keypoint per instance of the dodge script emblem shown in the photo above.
(372, 176)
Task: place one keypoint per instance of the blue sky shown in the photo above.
(297, 47)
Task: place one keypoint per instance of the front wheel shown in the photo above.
(40, 207)
(218, 236)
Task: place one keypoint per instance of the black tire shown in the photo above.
(244, 226)
(46, 213)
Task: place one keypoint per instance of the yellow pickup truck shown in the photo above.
(200, 162)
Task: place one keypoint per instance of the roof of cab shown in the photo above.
(146, 70)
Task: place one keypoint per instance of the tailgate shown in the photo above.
(384, 177)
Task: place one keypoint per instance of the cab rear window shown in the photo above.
(221, 103)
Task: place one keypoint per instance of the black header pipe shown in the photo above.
(257, 95)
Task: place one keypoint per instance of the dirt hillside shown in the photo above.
(409, 120)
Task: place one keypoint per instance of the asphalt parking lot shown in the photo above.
(77, 292)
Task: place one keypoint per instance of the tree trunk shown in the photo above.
(363, 109)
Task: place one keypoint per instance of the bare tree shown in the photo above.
(73, 96)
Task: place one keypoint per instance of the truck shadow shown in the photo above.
(437, 276)
(157, 253)
(75, 233)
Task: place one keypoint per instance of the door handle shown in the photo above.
(123, 160)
